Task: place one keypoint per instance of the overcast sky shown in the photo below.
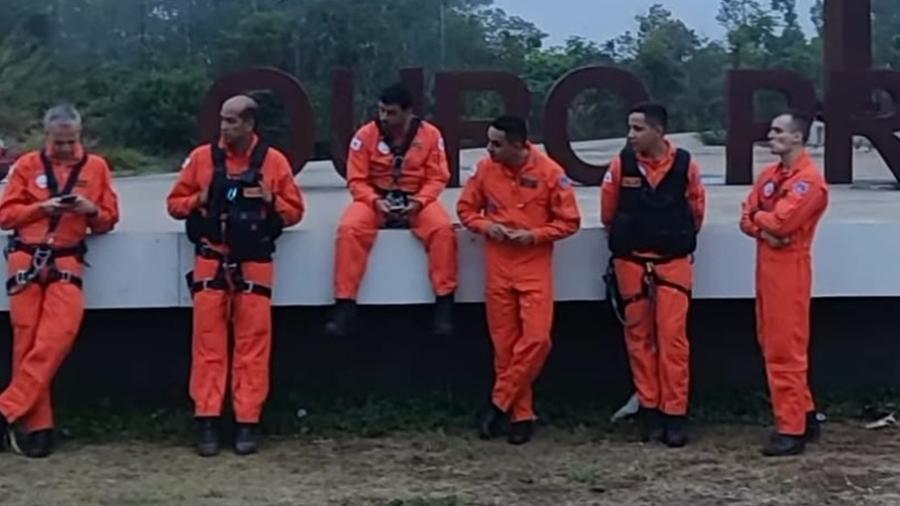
(598, 20)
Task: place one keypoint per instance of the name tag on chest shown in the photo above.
(631, 182)
(528, 182)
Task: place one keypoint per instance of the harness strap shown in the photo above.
(228, 277)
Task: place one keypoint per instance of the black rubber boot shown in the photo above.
(40, 444)
(443, 316)
(675, 431)
(342, 318)
(813, 428)
(649, 424)
(245, 441)
(491, 422)
(207, 437)
(782, 445)
(520, 432)
(4, 434)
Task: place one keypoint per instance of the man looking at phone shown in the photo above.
(54, 198)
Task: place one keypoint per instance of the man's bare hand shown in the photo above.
(382, 206)
(53, 206)
(775, 241)
(412, 208)
(497, 232)
(521, 237)
(84, 206)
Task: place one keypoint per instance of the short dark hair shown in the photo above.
(802, 123)
(515, 128)
(655, 114)
(396, 94)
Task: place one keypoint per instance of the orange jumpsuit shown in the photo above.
(656, 337)
(424, 176)
(787, 202)
(519, 279)
(46, 319)
(251, 312)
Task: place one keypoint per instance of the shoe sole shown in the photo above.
(207, 452)
(13, 442)
(243, 452)
(791, 453)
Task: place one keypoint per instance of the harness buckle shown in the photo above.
(41, 257)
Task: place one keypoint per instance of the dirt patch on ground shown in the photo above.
(722, 466)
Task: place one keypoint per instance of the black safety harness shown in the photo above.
(649, 280)
(43, 267)
(224, 192)
(398, 198)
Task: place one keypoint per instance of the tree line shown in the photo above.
(139, 68)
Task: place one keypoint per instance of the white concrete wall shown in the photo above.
(135, 270)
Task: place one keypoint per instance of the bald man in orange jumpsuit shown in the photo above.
(782, 213)
(250, 187)
(653, 204)
(396, 171)
(522, 202)
(53, 199)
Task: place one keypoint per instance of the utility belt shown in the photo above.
(229, 276)
(43, 268)
(650, 278)
(398, 201)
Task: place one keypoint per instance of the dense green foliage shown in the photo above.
(139, 68)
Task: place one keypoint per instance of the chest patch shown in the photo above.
(528, 182)
(631, 182)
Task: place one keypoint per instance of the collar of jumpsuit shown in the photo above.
(238, 161)
(656, 169)
(802, 161)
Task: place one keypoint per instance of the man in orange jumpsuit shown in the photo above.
(237, 195)
(53, 199)
(396, 171)
(653, 204)
(522, 202)
(782, 213)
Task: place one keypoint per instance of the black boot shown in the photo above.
(782, 445)
(342, 318)
(675, 434)
(443, 316)
(245, 439)
(491, 422)
(207, 437)
(4, 434)
(649, 424)
(520, 432)
(813, 428)
(40, 444)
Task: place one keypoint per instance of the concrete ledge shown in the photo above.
(146, 269)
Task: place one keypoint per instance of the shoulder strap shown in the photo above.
(629, 161)
(218, 159)
(399, 152)
(682, 163)
(53, 184)
(257, 159)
